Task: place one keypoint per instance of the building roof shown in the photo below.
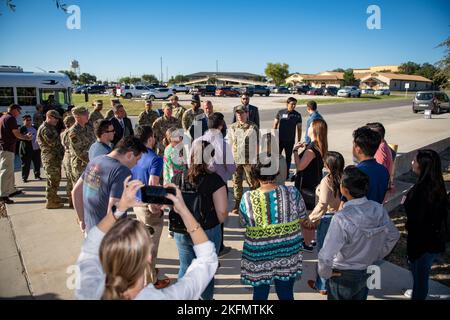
(224, 74)
(396, 76)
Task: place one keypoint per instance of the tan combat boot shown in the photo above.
(52, 204)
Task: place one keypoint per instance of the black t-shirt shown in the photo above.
(312, 174)
(7, 138)
(287, 124)
(209, 183)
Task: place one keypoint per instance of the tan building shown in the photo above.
(395, 82)
(323, 79)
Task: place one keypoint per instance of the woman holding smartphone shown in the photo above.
(115, 255)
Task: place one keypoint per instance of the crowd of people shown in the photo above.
(106, 161)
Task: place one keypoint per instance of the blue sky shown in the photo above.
(119, 38)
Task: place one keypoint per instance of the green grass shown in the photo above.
(132, 107)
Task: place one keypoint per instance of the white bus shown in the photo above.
(28, 89)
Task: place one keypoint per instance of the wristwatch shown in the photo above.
(116, 213)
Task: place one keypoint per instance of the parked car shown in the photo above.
(208, 90)
(315, 92)
(79, 89)
(157, 93)
(252, 90)
(282, 90)
(94, 89)
(349, 92)
(368, 91)
(436, 101)
(227, 92)
(303, 89)
(130, 91)
(382, 92)
(330, 91)
(180, 88)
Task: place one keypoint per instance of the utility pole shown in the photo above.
(217, 66)
(167, 74)
(161, 72)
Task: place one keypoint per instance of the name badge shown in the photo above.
(284, 116)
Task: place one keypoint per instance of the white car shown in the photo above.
(368, 91)
(130, 91)
(158, 93)
(382, 92)
(349, 92)
(180, 88)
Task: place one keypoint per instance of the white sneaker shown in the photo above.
(170, 235)
(408, 293)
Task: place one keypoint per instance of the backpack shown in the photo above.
(193, 201)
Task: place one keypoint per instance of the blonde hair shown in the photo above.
(124, 254)
(320, 132)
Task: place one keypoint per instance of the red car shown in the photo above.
(227, 92)
(315, 92)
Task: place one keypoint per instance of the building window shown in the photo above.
(6, 96)
(26, 96)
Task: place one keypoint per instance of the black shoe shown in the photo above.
(224, 251)
(306, 248)
(25, 180)
(313, 243)
(6, 200)
(15, 193)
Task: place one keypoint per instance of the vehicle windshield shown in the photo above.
(424, 96)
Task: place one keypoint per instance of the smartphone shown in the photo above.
(156, 195)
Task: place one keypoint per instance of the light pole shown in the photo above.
(161, 72)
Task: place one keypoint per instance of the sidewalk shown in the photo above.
(49, 242)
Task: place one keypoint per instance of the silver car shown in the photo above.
(436, 101)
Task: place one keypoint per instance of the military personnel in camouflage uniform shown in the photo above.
(110, 112)
(178, 109)
(52, 153)
(38, 117)
(195, 113)
(147, 117)
(68, 123)
(81, 136)
(160, 127)
(243, 137)
(96, 114)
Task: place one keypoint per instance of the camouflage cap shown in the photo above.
(79, 111)
(241, 108)
(54, 114)
(167, 105)
(68, 121)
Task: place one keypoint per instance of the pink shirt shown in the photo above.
(384, 156)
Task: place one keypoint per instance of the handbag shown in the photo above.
(308, 195)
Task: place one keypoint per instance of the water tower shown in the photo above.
(75, 67)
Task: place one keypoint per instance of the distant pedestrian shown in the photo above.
(39, 116)
(96, 114)
(29, 151)
(148, 116)
(426, 211)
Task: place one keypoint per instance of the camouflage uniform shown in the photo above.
(80, 140)
(178, 112)
(52, 153)
(94, 116)
(38, 119)
(66, 162)
(239, 137)
(190, 115)
(160, 127)
(147, 118)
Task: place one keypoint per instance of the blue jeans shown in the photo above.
(322, 230)
(187, 254)
(284, 289)
(351, 285)
(420, 270)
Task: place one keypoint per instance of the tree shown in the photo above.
(72, 75)
(86, 78)
(338, 70)
(444, 63)
(135, 80)
(409, 68)
(427, 70)
(349, 78)
(125, 80)
(440, 80)
(150, 78)
(278, 72)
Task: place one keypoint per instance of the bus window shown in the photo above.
(26, 96)
(6, 96)
(60, 97)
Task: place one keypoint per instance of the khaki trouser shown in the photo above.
(6, 173)
(238, 179)
(156, 222)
